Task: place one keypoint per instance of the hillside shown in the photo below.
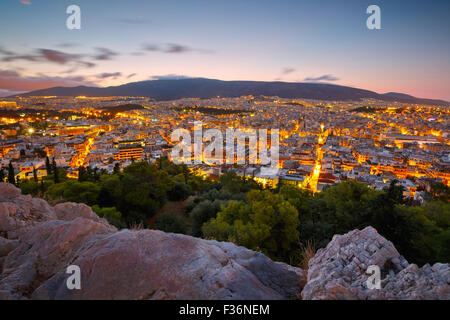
(208, 88)
(38, 242)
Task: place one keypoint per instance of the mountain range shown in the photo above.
(207, 88)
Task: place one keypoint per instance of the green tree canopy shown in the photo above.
(72, 190)
(169, 222)
(111, 214)
(266, 222)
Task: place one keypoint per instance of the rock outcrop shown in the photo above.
(126, 264)
(19, 212)
(38, 242)
(339, 271)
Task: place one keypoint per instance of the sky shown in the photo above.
(284, 40)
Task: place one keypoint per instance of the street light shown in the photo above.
(30, 131)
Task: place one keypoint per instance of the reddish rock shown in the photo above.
(144, 264)
(38, 243)
(70, 210)
(8, 192)
(6, 246)
(151, 264)
(19, 212)
(43, 251)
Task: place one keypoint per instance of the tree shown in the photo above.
(111, 193)
(444, 248)
(30, 187)
(180, 191)
(312, 225)
(390, 220)
(423, 235)
(11, 174)
(169, 222)
(81, 174)
(437, 191)
(116, 168)
(144, 188)
(72, 190)
(42, 187)
(48, 166)
(266, 222)
(109, 213)
(2, 175)
(198, 183)
(348, 206)
(35, 177)
(55, 171)
(233, 183)
(96, 174)
(202, 213)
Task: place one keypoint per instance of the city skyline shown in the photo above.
(321, 42)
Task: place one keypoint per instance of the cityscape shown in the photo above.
(321, 142)
(224, 155)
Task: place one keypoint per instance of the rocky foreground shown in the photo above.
(38, 242)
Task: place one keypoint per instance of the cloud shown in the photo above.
(113, 75)
(173, 48)
(288, 70)
(131, 75)
(27, 57)
(58, 56)
(12, 82)
(68, 45)
(325, 77)
(8, 74)
(43, 55)
(170, 77)
(86, 64)
(151, 47)
(6, 52)
(104, 54)
(27, 2)
(76, 61)
(137, 20)
(176, 48)
(79, 64)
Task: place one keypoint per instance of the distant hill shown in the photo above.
(410, 99)
(207, 88)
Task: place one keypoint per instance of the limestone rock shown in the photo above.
(44, 250)
(266, 270)
(150, 264)
(70, 210)
(6, 246)
(8, 192)
(19, 211)
(38, 243)
(339, 271)
(146, 264)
